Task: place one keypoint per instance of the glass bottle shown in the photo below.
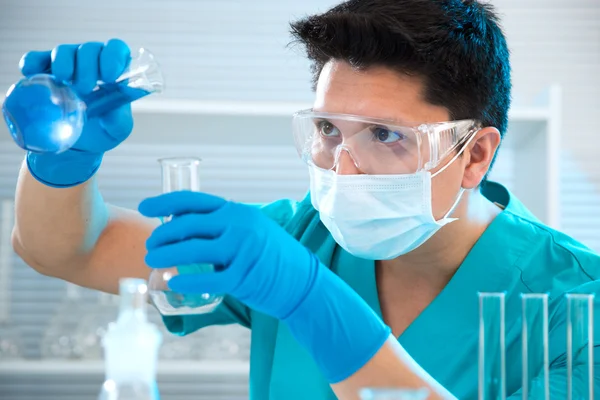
(131, 347)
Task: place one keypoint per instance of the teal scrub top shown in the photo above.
(516, 254)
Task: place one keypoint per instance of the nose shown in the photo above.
(345, 164)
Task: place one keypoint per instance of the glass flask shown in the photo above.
(182, 173)
(393, 394)
(93, 325)
(45, 115)
(11, 345)
(60, 338)
(131, 347)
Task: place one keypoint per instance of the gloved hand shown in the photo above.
(264, 267)
(82, 65)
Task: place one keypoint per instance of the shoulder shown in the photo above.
(559, 260)
(549, 261)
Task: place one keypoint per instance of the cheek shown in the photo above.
(445, 187)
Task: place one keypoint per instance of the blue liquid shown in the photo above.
(44, 115)
(110, 96)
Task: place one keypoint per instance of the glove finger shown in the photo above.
(212, 282)
(190, 251)
(118, 123)
(87, 67)
(114, 59)
(35, 62)
(181, 202)
(63, 62)
(184, 227)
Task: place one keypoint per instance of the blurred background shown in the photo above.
(232, 84)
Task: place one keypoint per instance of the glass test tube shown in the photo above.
(580, 346)
(535, 346)
(393, 394)
(181, 173)
(492, 357)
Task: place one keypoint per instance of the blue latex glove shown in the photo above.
(82, 65)
(264, 267)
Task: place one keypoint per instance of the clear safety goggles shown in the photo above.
(376, 146)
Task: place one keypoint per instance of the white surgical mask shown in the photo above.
(376, 217)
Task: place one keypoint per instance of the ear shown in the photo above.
(479, 155)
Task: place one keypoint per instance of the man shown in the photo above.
(372, 279)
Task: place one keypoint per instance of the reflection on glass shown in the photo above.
(492, 347)
(180, 174)
(60, 337)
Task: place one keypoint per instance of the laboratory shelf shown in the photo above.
(165, 368)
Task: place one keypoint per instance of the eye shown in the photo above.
(385, 135)
(327, 129)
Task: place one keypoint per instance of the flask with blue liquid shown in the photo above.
(45, 115)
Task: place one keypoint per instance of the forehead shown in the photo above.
(376, 92)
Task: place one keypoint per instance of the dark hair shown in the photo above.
(456, 46)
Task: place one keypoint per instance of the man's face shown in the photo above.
(382, 93)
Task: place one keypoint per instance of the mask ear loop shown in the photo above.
(462, 190)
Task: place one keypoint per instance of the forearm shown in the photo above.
(56, 227)
(350, 343)
(391, 367)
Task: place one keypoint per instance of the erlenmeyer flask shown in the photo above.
(60, 339)
(181, 173)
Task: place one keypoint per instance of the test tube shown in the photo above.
(393, 394)
(580, 346)
(535, 346)
(492, 362)
(180, 173)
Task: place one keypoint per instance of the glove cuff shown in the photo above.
(64, 170)
(336, 326)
